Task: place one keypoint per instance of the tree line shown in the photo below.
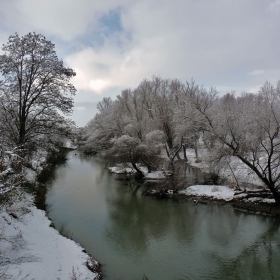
(163, 114)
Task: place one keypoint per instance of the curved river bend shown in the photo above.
(162, 239)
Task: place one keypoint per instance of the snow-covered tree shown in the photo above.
(247, 127)
(35, 90)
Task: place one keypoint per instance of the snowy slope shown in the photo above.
(42, 253)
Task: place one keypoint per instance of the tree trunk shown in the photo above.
(276, 194)
(196, 152)
(185, 152)
(21, 138)
(139, 172)
(166, 149)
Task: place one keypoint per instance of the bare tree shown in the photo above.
(247, 127)
(35, 89)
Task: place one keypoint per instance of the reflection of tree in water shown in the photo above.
(217, 239)
(137, 220)
(184, 175)
(259, 260)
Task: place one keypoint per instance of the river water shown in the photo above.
(134, 236)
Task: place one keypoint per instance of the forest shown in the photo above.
(171, 116)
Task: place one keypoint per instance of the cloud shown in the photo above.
(274, 5)
(256, 73)
(116, 44)
(64, 19)
(99, 85)
(181, 40)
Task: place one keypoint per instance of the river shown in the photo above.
(132, 235)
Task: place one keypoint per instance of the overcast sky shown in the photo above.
(115, 44)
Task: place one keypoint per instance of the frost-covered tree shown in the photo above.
(11, 177)
(35, 90)
(247, 127)
(194, 104)
(127, 149)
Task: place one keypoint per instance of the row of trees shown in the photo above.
(169, 114)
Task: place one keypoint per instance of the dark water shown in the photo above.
(134, 235)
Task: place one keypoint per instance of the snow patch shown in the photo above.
(210, 191)
(156, 175)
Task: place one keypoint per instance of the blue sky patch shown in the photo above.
(111, 22)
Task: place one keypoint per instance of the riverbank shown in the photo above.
(222, 195)
(30, 246)
(244, 190)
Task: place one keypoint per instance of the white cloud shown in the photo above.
(217, 41)
(62, 18)
(181, 40)
(99, 85)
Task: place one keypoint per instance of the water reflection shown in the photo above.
(163, 239)
(142, 219)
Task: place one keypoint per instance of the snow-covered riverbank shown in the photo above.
(243, 187)
(30, 247)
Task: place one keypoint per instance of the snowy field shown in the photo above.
(30, 248)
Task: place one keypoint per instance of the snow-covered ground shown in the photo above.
(231, 168)
(122, 169)
(30, 247)
(225, 168)
(210, 191)
(155, 175)
(219, 193)
(128, 169)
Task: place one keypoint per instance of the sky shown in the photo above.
(233, 45)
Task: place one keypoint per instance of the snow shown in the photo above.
(210, 191)
(39, 160)
(122, 170)
(156, 175)
(128, 169)
(259, 199)
(241, 170)
(69, 144)
(43, 252)
(220, 193)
